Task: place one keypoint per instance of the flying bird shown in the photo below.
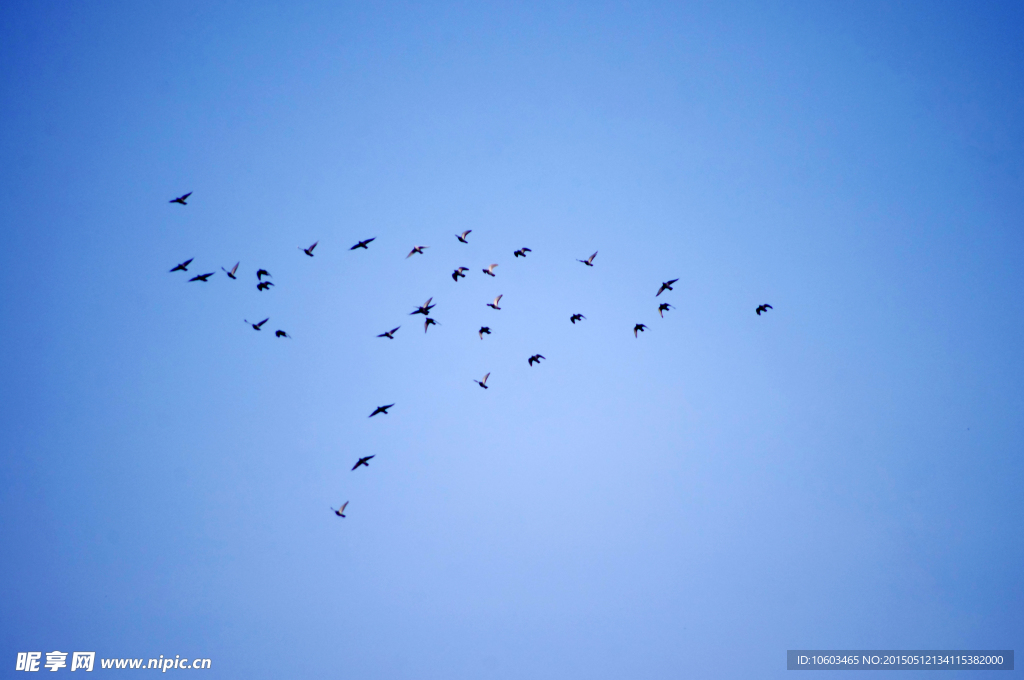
(536, 358)
(494, 305)
(340, 511)
(281, 334)
(484, 329)
(264, 285)
(390, 335)
(381, 409)
(365, 460)
(257, 326)
(662, 308)
(363, 244)
(202, 277)
(424, 309)
(231, 274)
(483, 383)
(763, 308)
(460, 271)
(590, 260)
(309, 250)
(490, 270)
(521, 252)
(667, 285)
(416, 250)
(180, 199)
(462, 237)
(260, 273)
(428, 323)
(639, 328)
(183, 267)
(576, 317)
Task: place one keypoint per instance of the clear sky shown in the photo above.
(845, 471)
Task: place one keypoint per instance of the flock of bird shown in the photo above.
(424, 309)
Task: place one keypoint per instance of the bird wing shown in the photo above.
(394, 329)
(186, 195)
(485, 378)
(492, 267)
(389, 406)
(672, 281)
(542, 356)
(343, 506)
(591, 258)
(264, 321)
(235, 268)
(368, 457)
(358, 463)
(769, 306)
(497, 299)
(411, 253)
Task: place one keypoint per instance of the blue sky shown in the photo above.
(843, 472)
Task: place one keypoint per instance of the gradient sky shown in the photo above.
(843, 472)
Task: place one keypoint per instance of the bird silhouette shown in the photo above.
(536, 358)
(462, 237)
(483, 383)
(281, 334)
(424, 309)
(257, 326)
(381, 409)
(665, 286)
(365, 461)
(428, 323)
(638, 328)
(340, 511)
(590, 260)
(490, 270)
(260, 273)
(309, 250)
(415, 251)
(363, 244)
(459, 271)
(180, 199)
(264, 285)
(521, 252)
(494, 305)
(202, 277)
(231, 274)
(483, 330)
(662, 308)
(762, 308)
(576, 317)
(183, 267)
(390, 335)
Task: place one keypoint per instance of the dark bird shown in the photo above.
(639, 328)
(665, 286)
(390, 335)
(340, 511)
(365, 460)
(257, 326)
(536, 358)
(180, 199)
(416, 250)
(428, 323)
(201, 277)
(590, 260)
(494, 305)
(483, 330)
(462, 237)
(521, 252)
(260, 273)
(483, 383)
(183, 267)
(460, 271)
(576, 317)
(662, 308)
(381, 409)
(309, 250)
(363, 244)
(281, 334)
(424, 309)
(231, 274)
(762, 308)
(490, 270)
(264, 285)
